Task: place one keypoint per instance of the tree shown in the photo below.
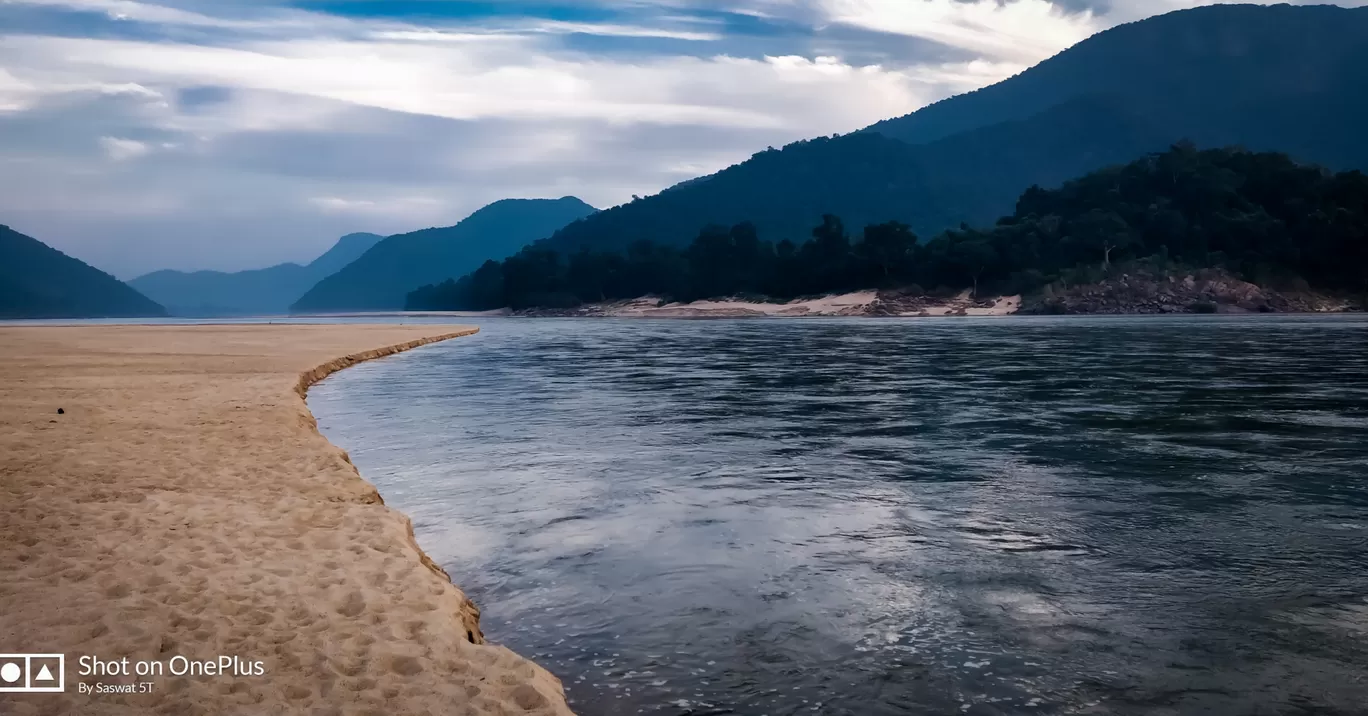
(976, 256)
(1100, 231)
(1259, 215)
(826, 258)
(887, 248)
(711, 268)
(588, 275)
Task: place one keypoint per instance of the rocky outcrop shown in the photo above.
(1204, 291)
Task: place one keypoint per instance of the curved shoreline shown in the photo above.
(471, 613)
(308, 378)
(184, 505)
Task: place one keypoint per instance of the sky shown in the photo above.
(229, 134)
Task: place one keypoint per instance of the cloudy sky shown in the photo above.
(229, 134)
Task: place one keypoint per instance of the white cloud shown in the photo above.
(15, 94)
(397, 206)
(1021, 31)
(123, 149)
(612, 30)
(1015, 31)
(311, 121)
(261, 20)
(469, 81)
(321, 124)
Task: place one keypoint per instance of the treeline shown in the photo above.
(1260, 215)
(720, 262)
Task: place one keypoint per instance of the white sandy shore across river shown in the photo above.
(857, 303)
(185, 506)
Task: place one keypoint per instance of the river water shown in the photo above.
(999, 516)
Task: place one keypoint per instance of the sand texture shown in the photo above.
(857, 303)
(849, 304)
(963, 304)
(184, 504)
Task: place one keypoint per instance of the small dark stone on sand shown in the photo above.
(60, 411)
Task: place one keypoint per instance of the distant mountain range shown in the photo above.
(38, 281)
(380, 279)
(1286, 78)
(257, 292)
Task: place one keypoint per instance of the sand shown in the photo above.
(848, 304)
(856, 303)
(185, 505)
(965, 305)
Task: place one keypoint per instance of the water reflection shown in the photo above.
(870, 517)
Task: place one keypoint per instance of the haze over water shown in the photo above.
(1136, 515)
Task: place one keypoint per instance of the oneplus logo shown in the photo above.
(32, 673)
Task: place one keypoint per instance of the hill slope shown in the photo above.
(259, 291)
(347, 249)
(1285, 78)
(1119, 240)
(1198, 68)
(382, 277)
(38, 281)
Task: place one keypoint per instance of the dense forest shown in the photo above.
(1268, 78)
(1261, 216)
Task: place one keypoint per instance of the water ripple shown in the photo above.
(1150, 516)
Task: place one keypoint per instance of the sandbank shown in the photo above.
(185, 505)
(853, 304)
(849, 304)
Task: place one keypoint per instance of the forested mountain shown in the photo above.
(38, 281)
(1285, 78)
(1212, 70)
(1260, 216)
(259, 291)
(381, 278)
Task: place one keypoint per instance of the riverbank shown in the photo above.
(183, 504)
(853, 304)
(1138, 292)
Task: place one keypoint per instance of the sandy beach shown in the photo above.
(183, 508)
(845, 305)
(851, 304)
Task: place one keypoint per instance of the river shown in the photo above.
(929, 516)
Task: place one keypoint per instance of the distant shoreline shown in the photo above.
(1203, 292)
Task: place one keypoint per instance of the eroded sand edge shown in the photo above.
(185, 505)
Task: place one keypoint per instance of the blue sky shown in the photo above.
(229, 134)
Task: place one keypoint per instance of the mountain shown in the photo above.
(1214, 72)
(1284, 78)
(347, 249)
(38, 281)
(259, 291)
(382, 277)
(1254, 219)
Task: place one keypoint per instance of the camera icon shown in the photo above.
(32, 673)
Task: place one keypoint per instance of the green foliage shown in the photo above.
(1259, 215)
